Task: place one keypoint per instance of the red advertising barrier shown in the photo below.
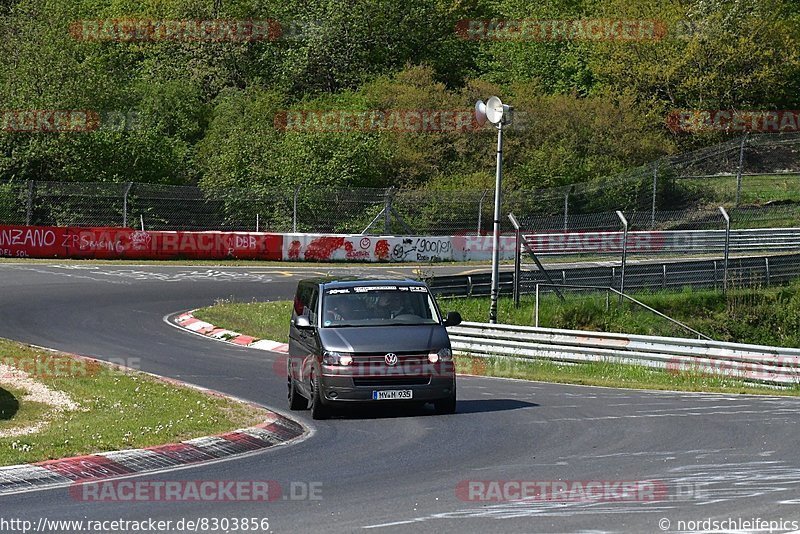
(126, 243)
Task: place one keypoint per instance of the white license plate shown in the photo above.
(392, 394)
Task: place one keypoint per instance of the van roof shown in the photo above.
(351, 281)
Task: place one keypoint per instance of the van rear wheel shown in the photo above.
(318, 410)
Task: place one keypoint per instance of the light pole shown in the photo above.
(498, 114)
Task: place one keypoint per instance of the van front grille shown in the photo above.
(392, 381)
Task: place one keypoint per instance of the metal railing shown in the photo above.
(756, 363)
(649, 275)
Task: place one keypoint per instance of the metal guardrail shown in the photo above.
(756, 363)
(757, 270)
(661, 242)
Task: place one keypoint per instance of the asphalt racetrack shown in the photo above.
(709, 457)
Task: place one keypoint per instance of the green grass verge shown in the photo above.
(265, 320)
(119, 410)
(270, 320)
(755, 189)
(615, 375)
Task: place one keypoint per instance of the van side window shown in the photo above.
(312, 311)
(301, 299)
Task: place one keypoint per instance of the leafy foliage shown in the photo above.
(196, 111)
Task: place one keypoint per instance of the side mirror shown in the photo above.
(453, 319)
(302, 322)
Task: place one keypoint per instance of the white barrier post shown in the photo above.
(727, 247)
(624, 222)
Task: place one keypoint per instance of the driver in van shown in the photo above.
(390, 306)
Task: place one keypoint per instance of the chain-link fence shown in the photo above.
(756, 177)
(662, 250)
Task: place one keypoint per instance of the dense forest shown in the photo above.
(187, 110)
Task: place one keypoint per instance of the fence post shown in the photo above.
(517, 261)
(727, 248)
(655, 189)
(480, 210)
(716, 275)
(125, 204)
(739, 169)
(294, 209)
(566, 211)
(29, 203)
(536, 308)
(766, 266)
(664, 276)
(257, 221)
(624, 222)
(387, 211)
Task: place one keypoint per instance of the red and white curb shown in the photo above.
(275, 430)
(190, 322)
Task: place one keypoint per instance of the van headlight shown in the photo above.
(330, 357)
(444, 355)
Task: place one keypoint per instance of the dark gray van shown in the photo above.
(355, 340)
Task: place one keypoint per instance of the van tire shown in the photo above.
(318, 410)
(296, 401)
(446, 406)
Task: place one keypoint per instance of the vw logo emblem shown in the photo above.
(391, 358)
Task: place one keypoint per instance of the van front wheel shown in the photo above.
(296, 401)
(318, 410)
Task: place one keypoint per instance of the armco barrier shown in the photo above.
(758, 363)
(669, 241)
(673, 274)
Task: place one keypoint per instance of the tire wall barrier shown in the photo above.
(127, 243)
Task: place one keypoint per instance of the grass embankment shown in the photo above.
(764, 316)
(756, 316)
(266, 320)
(755, 189)
(117, 410)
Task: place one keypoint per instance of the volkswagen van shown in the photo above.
(356, 340)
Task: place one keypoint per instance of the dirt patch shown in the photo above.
(34, 392)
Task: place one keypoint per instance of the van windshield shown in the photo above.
(378, 306)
